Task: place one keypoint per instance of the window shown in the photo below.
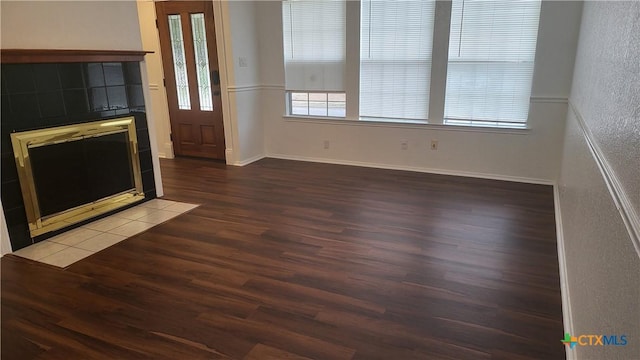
(202, 61)
(388, 48)
(395, 58)
(314, 55)
(317, 104)
(179, 64)
(492, 46)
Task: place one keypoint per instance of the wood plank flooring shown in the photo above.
(294, 260)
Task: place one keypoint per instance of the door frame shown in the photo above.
(225, 65)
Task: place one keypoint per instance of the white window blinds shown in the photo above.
(492, 46)
(314, 44)
(395, 58)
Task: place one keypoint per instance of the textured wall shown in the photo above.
(603, 268)
(606, 87)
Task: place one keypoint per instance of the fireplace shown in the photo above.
(77, 106)
(72, 173)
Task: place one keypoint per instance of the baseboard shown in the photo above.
(249, 160)
(567, 318)
(415, 169)
(168, 150)
(229, 156)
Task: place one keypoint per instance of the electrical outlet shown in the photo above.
(434, 144)
(404, 144)
(326, 144)
(242, 61)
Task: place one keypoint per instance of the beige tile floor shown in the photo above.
(74, 245)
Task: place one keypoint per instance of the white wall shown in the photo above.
(157, 92)
(244, 80)
(5, 244)
(528, 156)
(93, 25)
(606, 88)
(598, 185)
(244, 39)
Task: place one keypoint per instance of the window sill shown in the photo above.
(403, 124)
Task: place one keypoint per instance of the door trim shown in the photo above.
(225, 65)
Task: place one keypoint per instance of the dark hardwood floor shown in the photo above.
(294, 260)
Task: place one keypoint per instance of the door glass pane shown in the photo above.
(179, 65)
(202, 61)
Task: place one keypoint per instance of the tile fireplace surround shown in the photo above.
(49, 88)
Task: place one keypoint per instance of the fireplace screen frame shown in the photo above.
(23, 141)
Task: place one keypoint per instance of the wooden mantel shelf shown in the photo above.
(38, 56)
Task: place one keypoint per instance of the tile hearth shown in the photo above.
(74, 245)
